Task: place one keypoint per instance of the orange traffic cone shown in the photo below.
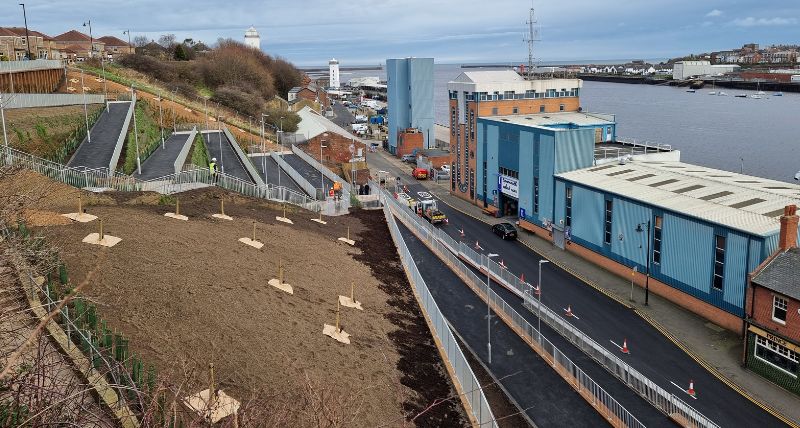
(538, 291)
(569, 311)
(690, 391)
(478, 246)
(625, 349)
(502, 264)
(461, 231)
(522, 278)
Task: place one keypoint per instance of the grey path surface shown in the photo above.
(162, 161)
(342, 116)
(275, 175)
(227, 160)
(544, 396)
(105, 133)
(605, 319)
(309, 172)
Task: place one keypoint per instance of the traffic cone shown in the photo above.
(447, 221)
(478, 246)
(538, 290)
(502, 264)
(461, 231)
(522, 278)
(625, 349)
(569, 311)
(690, 391)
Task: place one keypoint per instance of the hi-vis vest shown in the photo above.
(212, 167)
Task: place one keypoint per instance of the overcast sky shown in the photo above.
(308, 32)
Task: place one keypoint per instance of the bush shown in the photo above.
(290, 119)
(238, 99)
(199, 152)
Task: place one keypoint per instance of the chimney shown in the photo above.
(788, 236)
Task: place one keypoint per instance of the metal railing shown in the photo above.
(464, 376)
(458, 252)
(38, 64)
(633, 148)
(17, 100)
(346, 188)
(294, 175)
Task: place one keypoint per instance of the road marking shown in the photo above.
(615, 344)
(424, 195)
(684, 391)
(571, 314)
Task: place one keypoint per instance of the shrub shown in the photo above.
(199, 152)
(238, 99)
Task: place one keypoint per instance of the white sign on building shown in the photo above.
(509, 186)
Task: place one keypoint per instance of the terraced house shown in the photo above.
(15, 45)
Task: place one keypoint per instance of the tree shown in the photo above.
(181, 53)
(167, 40)
(140, 41)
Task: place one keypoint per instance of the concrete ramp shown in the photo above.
(275, 175)
(107, 136)
(163, 160)
(228, 160)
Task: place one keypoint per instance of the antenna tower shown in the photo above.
(532, 36)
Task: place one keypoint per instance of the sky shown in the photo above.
(366, 32)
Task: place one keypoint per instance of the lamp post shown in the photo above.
(174, 118)
(27, 37)
(489, 309)
(128, 32)
(136, 135)
(647, 261)
(86, 112)
(205, 107)
(219, 137)
(161, 121)
(5, 136)
(539, 306)
(280, 139)
(321, 175)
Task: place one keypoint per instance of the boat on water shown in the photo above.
(777, 94)
(740, 95)
(756, 96)
(722, 94)
(691, 91)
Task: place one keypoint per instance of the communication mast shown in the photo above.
(532, 36)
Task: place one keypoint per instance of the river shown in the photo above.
(714, 131)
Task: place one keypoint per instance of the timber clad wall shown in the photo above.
(34, 81)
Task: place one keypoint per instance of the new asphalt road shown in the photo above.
(104, 134)
(228, 161)
(606, 320)
(162, 161)
(274, 174)
(309, 172)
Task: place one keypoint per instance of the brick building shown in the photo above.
(475, 94)
(310, 92)
(115, 47)
(772, 339)
(315, 130)
(79, 42)
(14, 44)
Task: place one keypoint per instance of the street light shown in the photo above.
(321, 175)
(489, 309)
(161, 120)
(86, 112)
(539, 306)
(27, 37)
(5, 136)
(219, 136)
(647, 261)
(102, 63)
(135, 134)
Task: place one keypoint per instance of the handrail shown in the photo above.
(322, 169)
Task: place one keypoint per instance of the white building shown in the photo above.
(333, 73)
(685, 69)
(252, 39)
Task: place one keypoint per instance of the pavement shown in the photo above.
(342, 116)
(227, 160)
(668, 344)
(310, 173)
(275, 174)
(104, 133)
(162, 161)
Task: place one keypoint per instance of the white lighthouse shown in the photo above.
(252, 39)
(333, 73)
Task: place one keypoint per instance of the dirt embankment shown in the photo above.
(188, 293)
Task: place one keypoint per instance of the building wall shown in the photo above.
(687, 245)
(33, 81)
(463, 143)
(762, 313)
(769, 371)
(410, 97)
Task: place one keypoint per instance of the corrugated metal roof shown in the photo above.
(554, 119)
(749, 204)
(313, 124)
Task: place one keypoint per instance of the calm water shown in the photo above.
(708, 130)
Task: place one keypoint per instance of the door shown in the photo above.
(558, 237)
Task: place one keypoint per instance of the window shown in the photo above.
(568, 217)
(509, 95)
(509, 172)
(777, 355)
(561, 107)
(541, 108)
(453, 95)
(719, 262)
(607, 231)
(657, 239)
(536, 194)
(494, 111)
(515, 110)
(779, 309)
(530, 94)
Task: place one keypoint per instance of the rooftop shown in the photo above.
(313, 124)
(72, 36)
(486, 76)
(781, 274)
(112, 41)
(555, 119)
(745, 203)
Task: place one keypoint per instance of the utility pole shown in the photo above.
(489, 309)
(533, 35)
(27, 36)
(136, 132)
(85, 111)
(161, 120)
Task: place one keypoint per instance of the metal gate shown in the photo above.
(558, 237)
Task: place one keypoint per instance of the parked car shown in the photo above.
(505, 230)
(409, 158)
(446, 169)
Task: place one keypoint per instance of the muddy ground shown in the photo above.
(188, 293)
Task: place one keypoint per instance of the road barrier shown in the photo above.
(458, 252)
(462, 375)
(17, 100)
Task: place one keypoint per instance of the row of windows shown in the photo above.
(515, 109)
(512, 95)
(777, 355)
(719, 262)
(509, 172)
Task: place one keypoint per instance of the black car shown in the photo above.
(505, 230)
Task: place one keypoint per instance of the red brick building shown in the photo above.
(409, 142)
(772, 339)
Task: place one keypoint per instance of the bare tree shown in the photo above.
(167, 40)
(140, 41)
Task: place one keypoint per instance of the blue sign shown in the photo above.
(522, 213)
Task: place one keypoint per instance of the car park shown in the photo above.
(505, 230)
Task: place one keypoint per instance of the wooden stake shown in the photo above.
(338, 330)
(280, 271)
(212, 393)
(254, 230)
(80, 205)
(177, 206)
(284, 210)
(348, 233)
(100, 235)
(222, 206)
(352, 288)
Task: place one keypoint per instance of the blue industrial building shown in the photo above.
(410, 97)
(688, 230)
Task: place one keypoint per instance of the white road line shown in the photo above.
(615, 344)
(684, 391)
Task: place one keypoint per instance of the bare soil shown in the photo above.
(188, 293)
(43, 131)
